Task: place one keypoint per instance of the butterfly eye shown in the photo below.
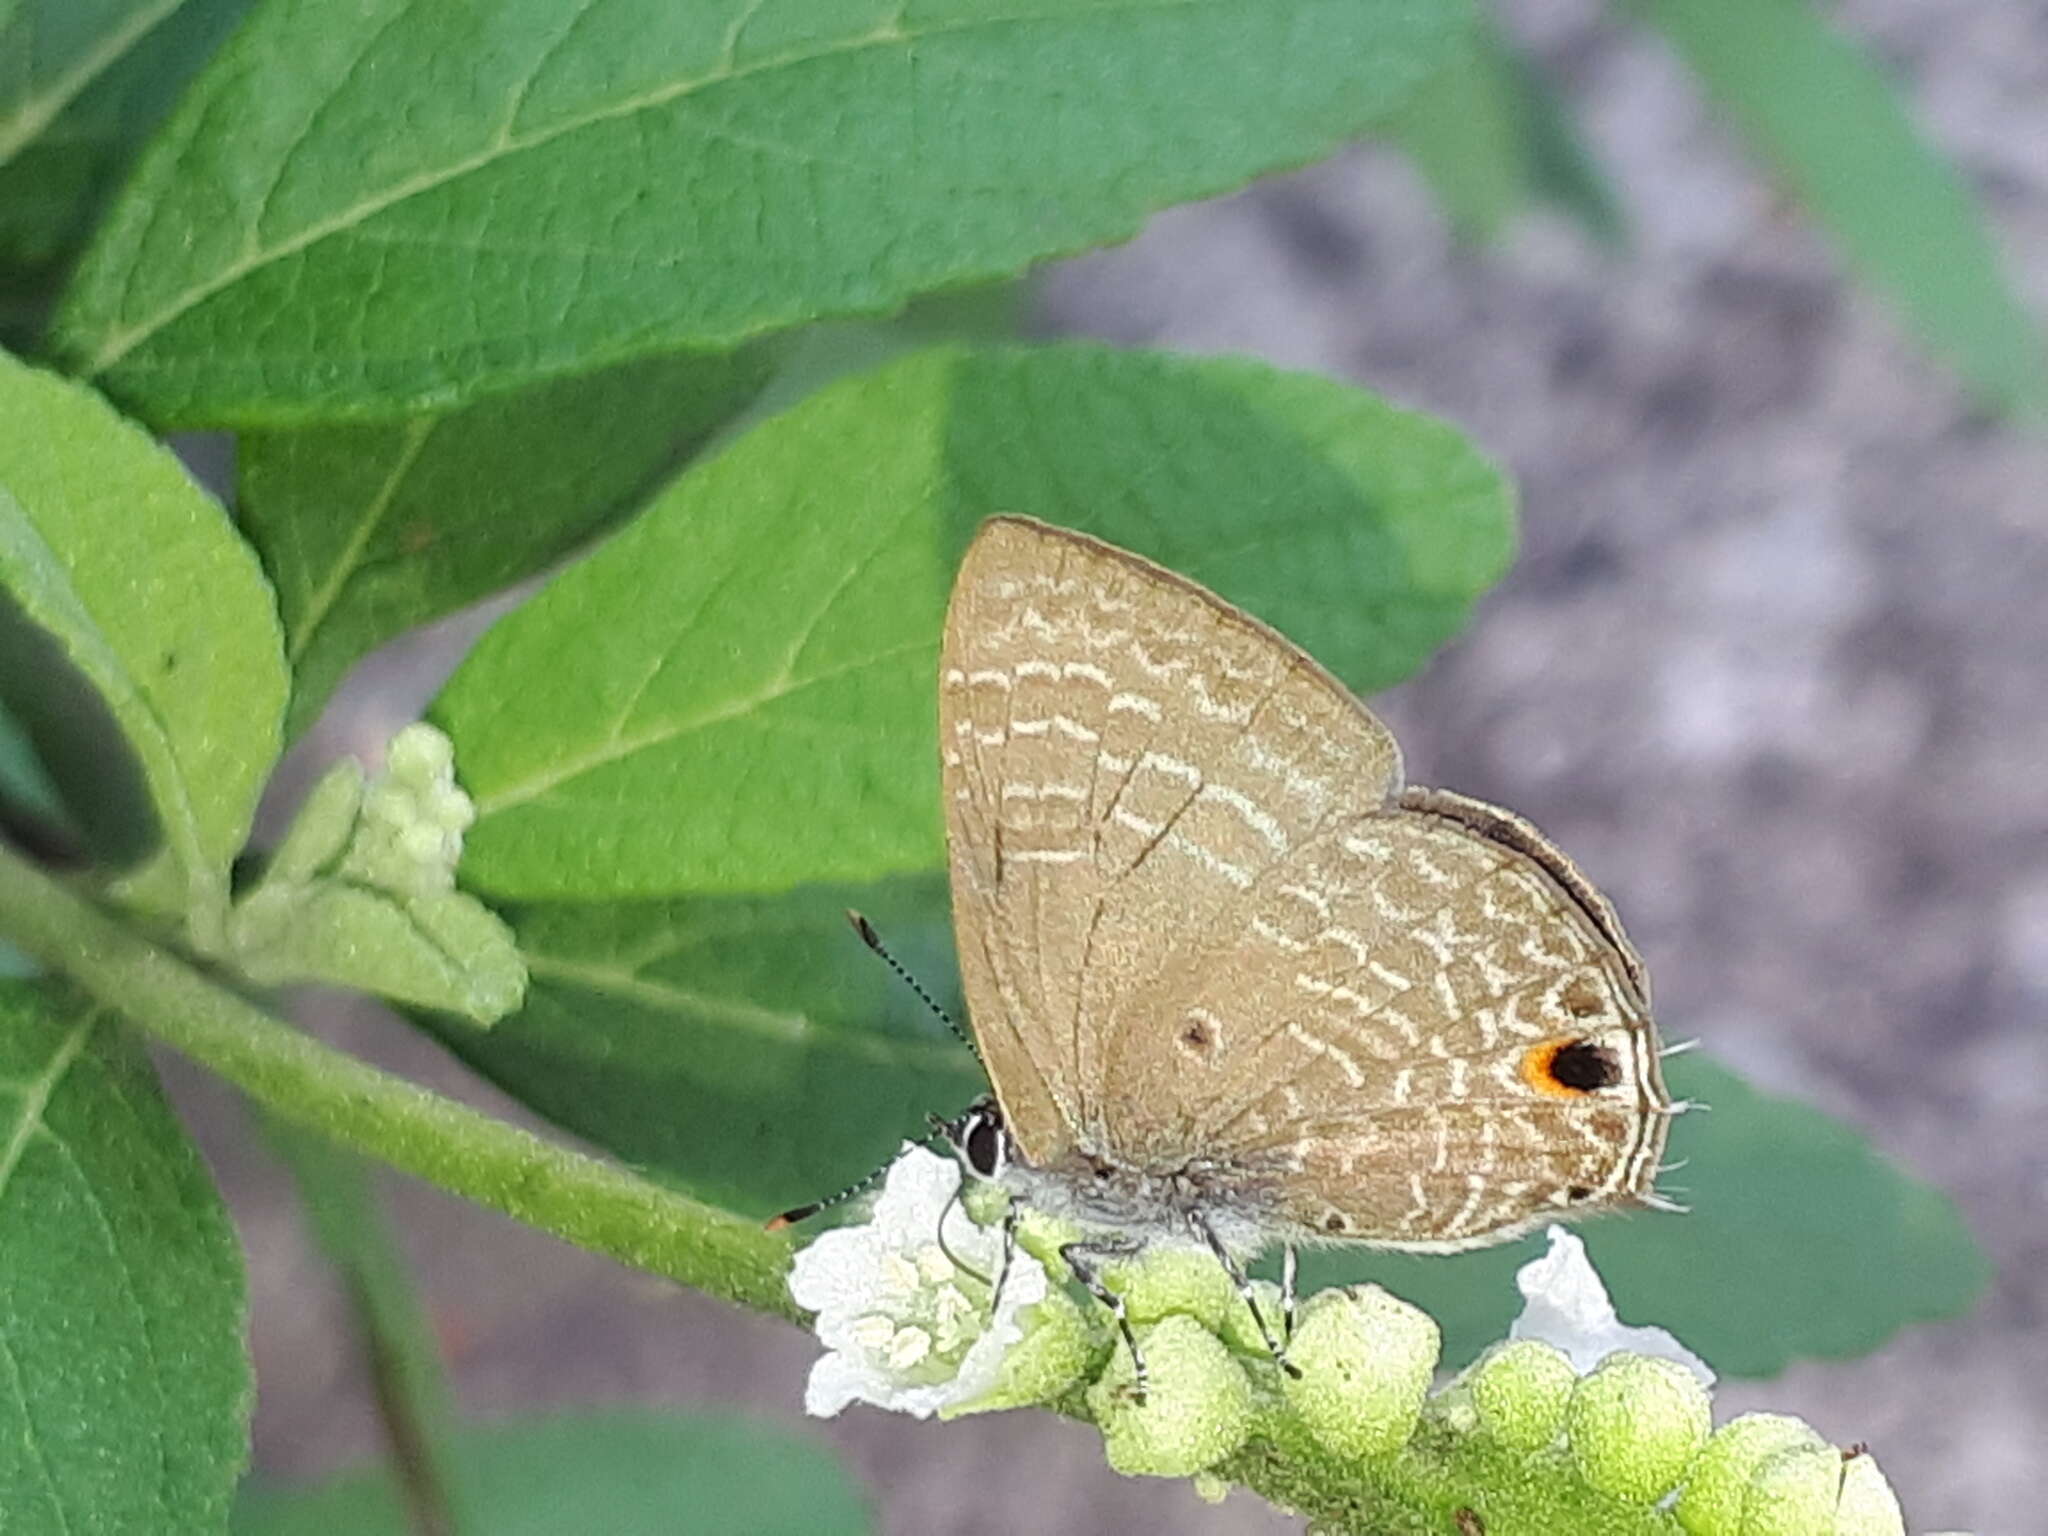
(984, 1146)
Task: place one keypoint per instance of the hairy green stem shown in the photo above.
(584, 1200)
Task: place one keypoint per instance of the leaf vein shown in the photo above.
(619, 747)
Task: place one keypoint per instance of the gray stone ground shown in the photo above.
(1774, 666)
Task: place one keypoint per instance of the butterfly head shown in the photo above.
(979, 1139)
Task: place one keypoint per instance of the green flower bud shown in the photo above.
(1520, 1391)
(1867, 1506)
(1635, 1425)
(1197, 1408)
(1054, 1354)
(419, 757)
(1711, 1504)
(1240, 1332)
(1166, 1282)
(1792, 1493)
(1365, 1359)
(1038, 1234)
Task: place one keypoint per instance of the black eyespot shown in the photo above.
(1585, 1066)
(984, 1146)
(1578, 1192)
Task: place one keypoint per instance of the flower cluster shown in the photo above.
(409, 835)
(904, 1301)
(1576, 1420)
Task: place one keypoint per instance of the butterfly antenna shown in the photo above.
(797, 1213)
(873, 940)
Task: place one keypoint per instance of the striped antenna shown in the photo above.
(873, 940)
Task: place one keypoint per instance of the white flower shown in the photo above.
(903, 1324)
(1565, 1305)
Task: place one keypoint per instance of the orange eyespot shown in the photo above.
(1570, 1068)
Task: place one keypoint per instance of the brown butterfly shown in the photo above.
(1235, 982)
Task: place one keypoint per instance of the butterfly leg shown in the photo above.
(1243, 1283)
(995, 1296)
(1081, 1258)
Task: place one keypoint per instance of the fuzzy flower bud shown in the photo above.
(1712, 1502)
(1792, 1493)
(1635, 1425)
(1365, 1359)
(1866, 1505)
(1057, 1348)
(1165, 1282)
(409, 837)
(1519, 1392)
(1197, 1408)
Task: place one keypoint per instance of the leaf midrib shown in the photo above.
(121, 343)
(320, 602)
(620, 747)
(36, 1095)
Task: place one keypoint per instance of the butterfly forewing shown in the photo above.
(1123, 754)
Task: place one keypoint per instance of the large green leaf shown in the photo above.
(126, 1397)
(371, 529)
(81, 83)
(1801, 1241)
(139, 581)
(751, 1051)
(618, 1473)
(394, 205)
(1833, 126)
(736, 694)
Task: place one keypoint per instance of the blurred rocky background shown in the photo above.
(1773, 665)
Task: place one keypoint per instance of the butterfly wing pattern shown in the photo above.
(1211, 943)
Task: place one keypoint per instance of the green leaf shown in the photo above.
(1801, 1242)
(29, 802)
(127, 1398)
(751, 1052)
(81, 84)
(140, 581)
(621, 1473)
(1834, 128)
(1490, 136)
(765, 720)
(387, 205)
(369, 530)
